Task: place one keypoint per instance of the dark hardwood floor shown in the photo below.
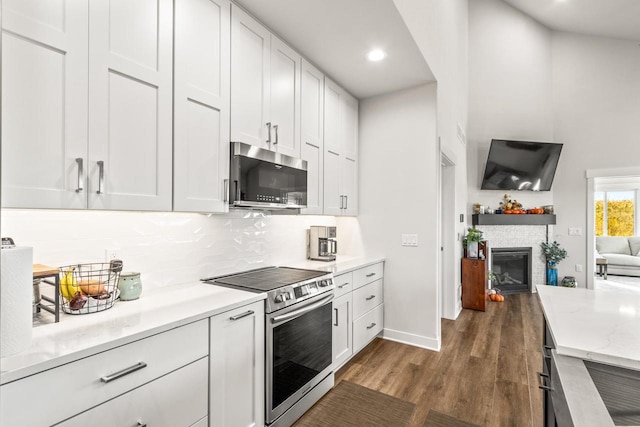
(485, 373)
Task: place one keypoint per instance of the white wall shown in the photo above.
(167, 248)
(440, 29)
(509, 90)
(596, 104)
(399, 159)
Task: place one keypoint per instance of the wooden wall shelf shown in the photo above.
(513, 219)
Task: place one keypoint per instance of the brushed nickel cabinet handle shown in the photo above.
(122, 373)
(371, 326)
(80, 187)
(268, 132)
(100, 177)
(336, 310)
(275, 128)
(343, 285)
(225, 190)
(370, 298)
(371, 274)
(341, 202)
(240, 316)
(346, 202)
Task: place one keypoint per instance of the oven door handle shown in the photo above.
(303, 310)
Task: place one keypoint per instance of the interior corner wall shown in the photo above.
(510, 85)
(398, 191)
(596, 104)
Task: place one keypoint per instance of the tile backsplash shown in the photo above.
(166, 248)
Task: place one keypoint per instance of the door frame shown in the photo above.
(447, 305)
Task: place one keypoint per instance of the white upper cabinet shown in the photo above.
(87, 104)
(312, 135)
(130, 104)
(201, 105)
(340, 151)
(44, 103)
(265, 87)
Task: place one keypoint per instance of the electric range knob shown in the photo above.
(280, 298)
(323, 283)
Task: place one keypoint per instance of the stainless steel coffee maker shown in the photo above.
(322, 244)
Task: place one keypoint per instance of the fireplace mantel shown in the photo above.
(513, 219)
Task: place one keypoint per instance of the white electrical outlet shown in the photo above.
(409, 240)
(111, 253)
(578, 268)
(575, 231)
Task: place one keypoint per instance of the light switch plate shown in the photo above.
(575, 231)
(409, 240)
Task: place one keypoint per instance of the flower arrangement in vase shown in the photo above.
(553, 254)
(470, 242)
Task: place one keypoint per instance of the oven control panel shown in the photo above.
(293, 294)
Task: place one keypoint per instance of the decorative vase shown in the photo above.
(130, 286)
(472, 250)
(552, 274)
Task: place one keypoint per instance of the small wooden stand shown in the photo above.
(474, 283)
(50, 276)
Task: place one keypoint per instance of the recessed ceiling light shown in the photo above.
(376, 55)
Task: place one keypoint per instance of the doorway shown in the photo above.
(450, 297)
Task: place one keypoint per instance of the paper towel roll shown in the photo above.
(16, 288)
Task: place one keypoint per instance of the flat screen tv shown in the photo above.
(521, 165)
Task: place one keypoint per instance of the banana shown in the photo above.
(69, 285)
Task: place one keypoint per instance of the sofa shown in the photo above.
(622, 254)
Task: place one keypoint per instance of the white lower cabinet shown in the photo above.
(342, 319)
(174, 400)
(73, 388)
(358, 311)
(237, 367)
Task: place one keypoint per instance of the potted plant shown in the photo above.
(470, 242)
(553, 254)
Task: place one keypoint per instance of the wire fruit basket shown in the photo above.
(89, 288)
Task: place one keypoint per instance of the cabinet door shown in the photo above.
(285, 98)
(342, 318)
(474, 283)
(312, 133)
(250, 90)
(349, 125)
(178, 399)
(237, 367)
(130, 104)
(349, 186)
(333, 198)
(201, 105)
(44, 103)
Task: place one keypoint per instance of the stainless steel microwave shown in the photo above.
(266, 179)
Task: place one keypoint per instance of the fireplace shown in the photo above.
(512, 268)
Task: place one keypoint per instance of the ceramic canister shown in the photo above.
(130, 286)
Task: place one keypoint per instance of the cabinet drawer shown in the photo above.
(366, 298)
(367, 275)
(344, 284)
(178, 399)
(367, 327)
(79, 385)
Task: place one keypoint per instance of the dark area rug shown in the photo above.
(438, 419)
(349, 404)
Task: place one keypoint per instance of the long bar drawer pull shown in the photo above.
(371, 326)
(126, 371)
(241, 315)
(542, 385)
(343, 285)
(370, 298)
(371, 274)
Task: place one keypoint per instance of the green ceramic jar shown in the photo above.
(130, 286)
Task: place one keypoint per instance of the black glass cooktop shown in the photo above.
(266, 279)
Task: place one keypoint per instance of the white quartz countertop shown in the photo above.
(75, 337)
(602, 326)
(342, 264)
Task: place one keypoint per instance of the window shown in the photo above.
(615, 213)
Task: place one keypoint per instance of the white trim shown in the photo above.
(600, 173)
(591, 231)
(411, 339)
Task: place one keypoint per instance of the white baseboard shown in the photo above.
(411, 339)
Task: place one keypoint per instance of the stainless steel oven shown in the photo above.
(299, 352)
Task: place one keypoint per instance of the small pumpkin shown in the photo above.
(499, 298)
(492, 297)
(508, 211)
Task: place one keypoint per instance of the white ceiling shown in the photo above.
(607, 18)
(336, 35)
